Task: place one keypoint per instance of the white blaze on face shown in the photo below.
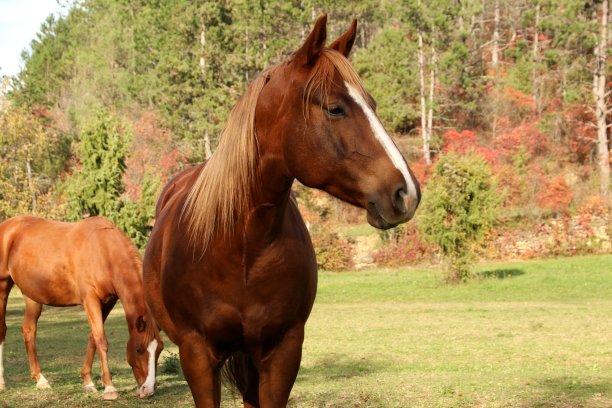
(148, 387)
(385, 140)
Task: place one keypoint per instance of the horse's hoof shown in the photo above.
(2, 387)
(110, 394)
(90, 388)
(42, 383)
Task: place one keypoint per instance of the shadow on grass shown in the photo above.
(570, 392)
(501, 273)
(338, 366)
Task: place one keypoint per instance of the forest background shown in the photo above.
(117, 96)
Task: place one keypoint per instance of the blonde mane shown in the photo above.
(224, 186)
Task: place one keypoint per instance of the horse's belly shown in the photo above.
(53, 287)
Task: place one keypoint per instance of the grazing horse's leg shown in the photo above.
(93, 309)
(6, 284)
(91, 351)
(279, 369)
(201, 370)
(33, 310)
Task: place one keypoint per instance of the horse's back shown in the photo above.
(58, 263)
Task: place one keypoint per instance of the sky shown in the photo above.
(20, 20)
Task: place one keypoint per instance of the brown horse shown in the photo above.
(89, 263)
(230, 273)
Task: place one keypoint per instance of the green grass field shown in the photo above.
(522, 334)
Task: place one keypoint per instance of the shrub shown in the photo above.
(460, 205)
(404, 246)
(171, 364)
(556, 196)
(334, 252)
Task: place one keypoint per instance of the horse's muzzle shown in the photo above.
(145, 391)
(400, 209)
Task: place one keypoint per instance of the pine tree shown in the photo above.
(95, 188)
(460, 205)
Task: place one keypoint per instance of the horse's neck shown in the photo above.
(132, 300)
(272, 195)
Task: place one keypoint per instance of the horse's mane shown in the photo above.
(225, 184)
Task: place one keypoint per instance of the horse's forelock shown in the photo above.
(322, 75)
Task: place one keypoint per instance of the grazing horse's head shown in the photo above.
(142, 352)
(328, 134)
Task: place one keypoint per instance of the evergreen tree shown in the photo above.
(96, 186)
(460, 205)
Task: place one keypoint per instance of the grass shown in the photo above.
(522, 334)
(357, 230)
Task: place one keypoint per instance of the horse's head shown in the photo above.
(143, 349)
(329, 135)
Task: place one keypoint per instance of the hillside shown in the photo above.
(149, 85)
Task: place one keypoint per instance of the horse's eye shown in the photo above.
(334, 111)
(140, 350)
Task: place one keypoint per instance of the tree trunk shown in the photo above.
(535, 61)
(495, 49)
(207, 150)
(202, 46)
(432, 82)
(599, 94)
(31, 185)
(424, 133)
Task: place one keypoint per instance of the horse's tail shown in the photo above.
(240, 374)
(6, 239)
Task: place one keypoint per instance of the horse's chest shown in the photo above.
(237, 300)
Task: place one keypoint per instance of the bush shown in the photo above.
(556, 196)
(334, 252)
(460, 205)
(171, 364)
(403, 246)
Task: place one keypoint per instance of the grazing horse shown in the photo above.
(230, 272)
(89, 263)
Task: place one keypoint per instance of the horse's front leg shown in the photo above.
(93, 309)
(279, 368)
(90, 353)
(201, 369)
(28, 329)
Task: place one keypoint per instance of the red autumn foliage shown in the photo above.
(421, 170)
(593, 206)
(518, 98)
(511, 184)
(467, 141)
(528, 135)
(581, 135)
(404, 249)
(555, 196)
(152, 151)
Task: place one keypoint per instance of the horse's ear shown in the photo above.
(141, 324)
(315, 42)
(345, 42)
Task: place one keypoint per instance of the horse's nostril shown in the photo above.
(399, 200)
